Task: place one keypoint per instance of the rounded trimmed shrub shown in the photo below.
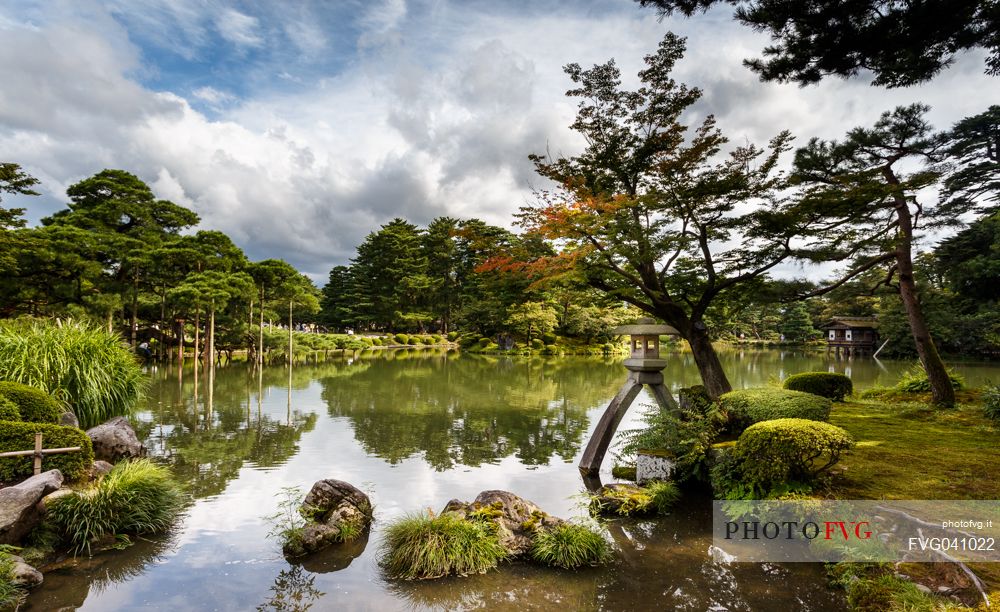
(551, 349)
(452, 336)
(437, 338)
(537, 344)
(413, 341)
(34, 405)
(401, 338)
(825, 384)
(21, 436)
(748, 406)
(549, 338)
(427, 340)
(8, 410)
(771, 453)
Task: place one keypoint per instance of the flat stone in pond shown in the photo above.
(19, 508)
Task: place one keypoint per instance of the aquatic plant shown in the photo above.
(569, 545)
(287, 523)
(85, 366)
(424, 546)
(135, 497)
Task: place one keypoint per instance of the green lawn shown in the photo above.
(908, 451)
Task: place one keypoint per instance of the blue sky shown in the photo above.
(299, 127)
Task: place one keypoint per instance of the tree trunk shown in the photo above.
(251, 349)
(942, 393)
(289, 337)
(713, 377)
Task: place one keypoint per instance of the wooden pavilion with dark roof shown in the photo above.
(851, 335)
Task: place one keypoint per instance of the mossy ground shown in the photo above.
(908, 450)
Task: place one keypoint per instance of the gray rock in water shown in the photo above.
(69, 419)
(23, 575)
(334, 510)
(517, 518)
(115, 440)
(19, 508)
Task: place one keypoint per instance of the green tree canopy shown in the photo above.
(901, 42)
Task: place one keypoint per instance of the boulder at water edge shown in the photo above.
(115, 440)
(23, 575)
(19, 508)
(335, 511)
(518, 518)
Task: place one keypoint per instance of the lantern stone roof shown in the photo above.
(851, 323)
(645, 327)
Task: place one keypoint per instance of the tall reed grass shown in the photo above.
(90, 369)
(136, 497)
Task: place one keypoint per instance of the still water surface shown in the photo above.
(415, 429)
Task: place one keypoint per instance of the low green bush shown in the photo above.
(537, 344)
(686, 436)
(772, 454)
(136, 497)
(401, 338)
(16, 436)
(8, 410)
(34, 405)
(423, 546)
(991, 402)
(413, 341)
(825, 384)
(452, 336)
(483, 342)
(915, 380)
(549, 338)
(569, 546)
(427, 340)
(748, 406)
(437, 338)
(550, 349)
(366, 341)
(376, 341)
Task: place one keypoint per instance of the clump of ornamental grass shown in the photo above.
(425, 546)
(136, 497)
(569, 546)
(85, 366)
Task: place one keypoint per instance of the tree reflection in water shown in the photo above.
(470, 411)
(293, 591)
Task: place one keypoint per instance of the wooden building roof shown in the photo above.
(851, 323)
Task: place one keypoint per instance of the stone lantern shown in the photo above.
(645, 368)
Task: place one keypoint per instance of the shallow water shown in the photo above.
(415, 429)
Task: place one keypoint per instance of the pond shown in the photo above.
(415, 429)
